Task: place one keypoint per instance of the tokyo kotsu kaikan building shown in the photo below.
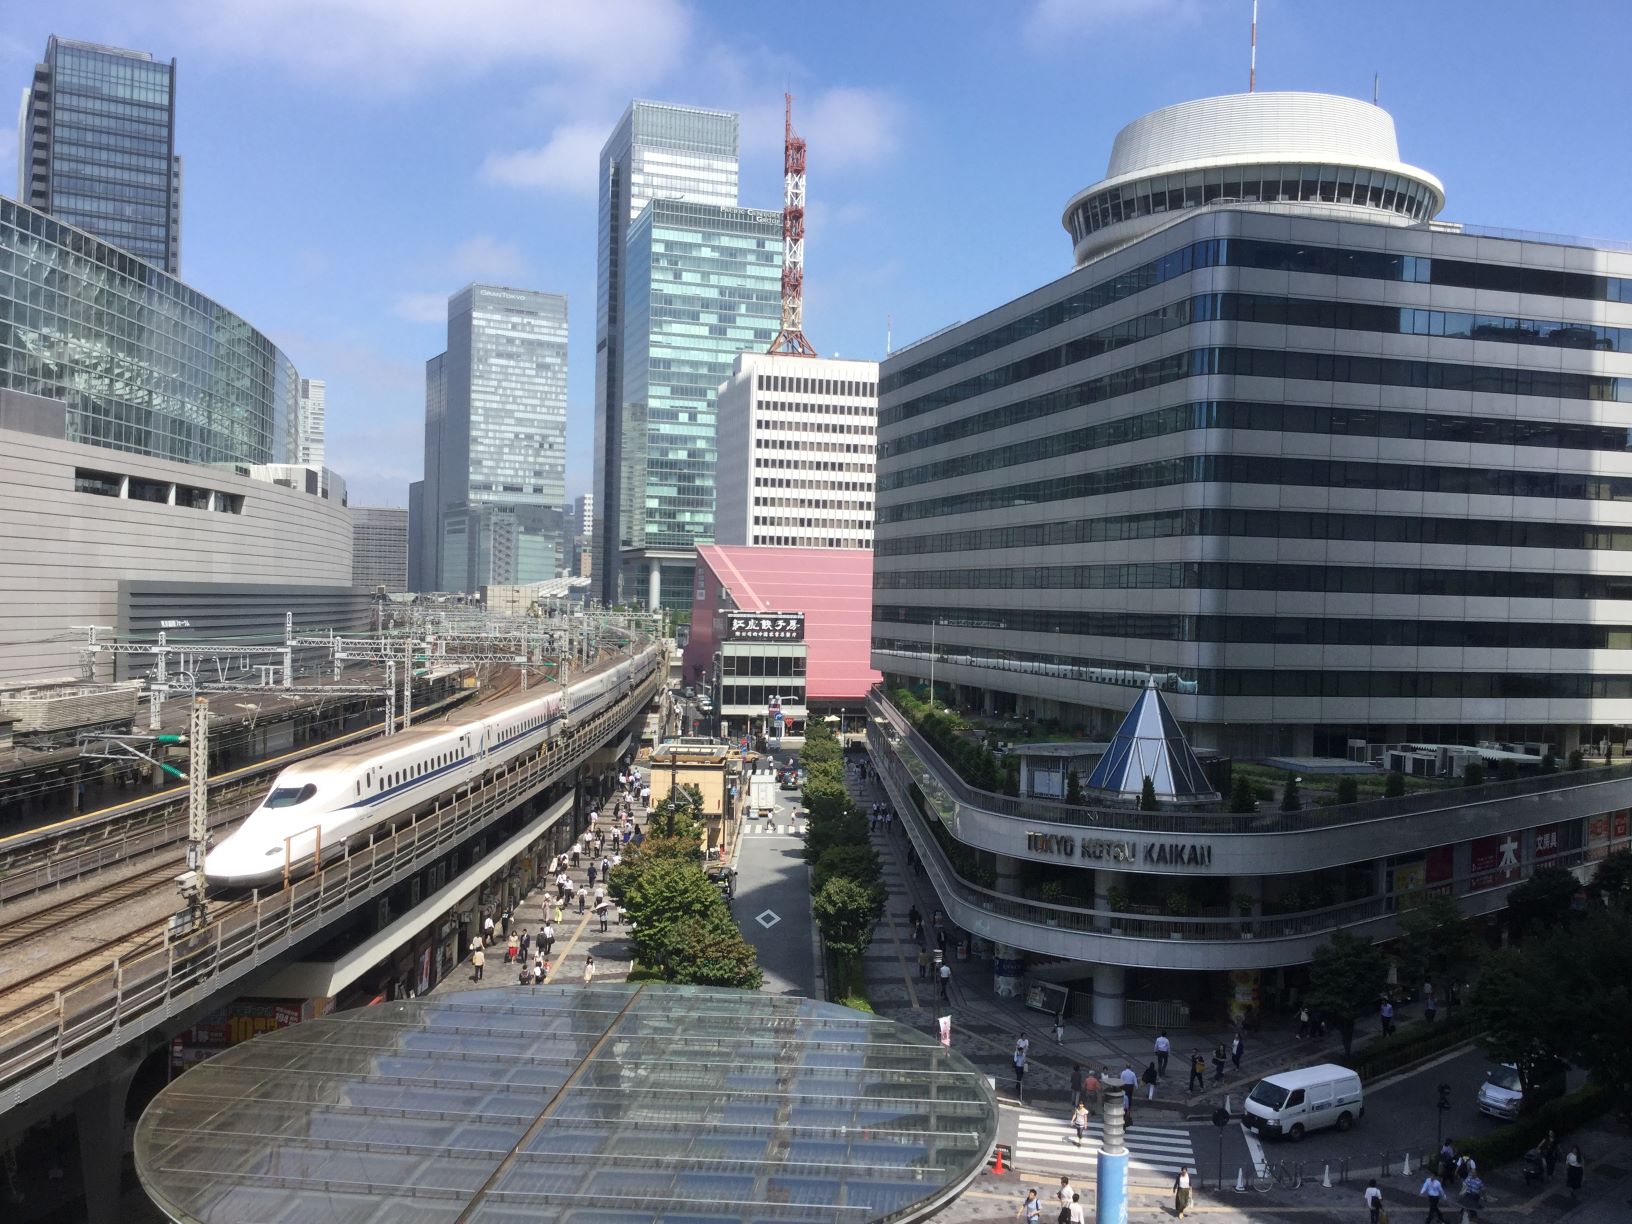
(1330, 473)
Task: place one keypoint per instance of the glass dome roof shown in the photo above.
(612, 1102)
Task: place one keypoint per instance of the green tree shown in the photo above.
(1348, 790)
(714, 953)
(1242, 796)
(679, 814)
(1545, 901)
(1612, 881)
(1147, 795)
(824, 796)
(1473, 774)
(1522, 1011)
(858, 862)
(1345, 980)
(846, 913)
(1509, 770)
(1594, 959)
(846, 829)
(1394, 784)
(669, 900)
(1436, 941)
(1291, 800)
(1073, 787)
(1549, 763)
(1576, 759)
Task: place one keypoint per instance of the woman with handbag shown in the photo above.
(1181, 1191)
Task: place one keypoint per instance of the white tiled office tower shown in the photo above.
(313, 420)
(796, 441)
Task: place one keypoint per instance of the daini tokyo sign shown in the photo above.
(764, 626)
(1160, 852)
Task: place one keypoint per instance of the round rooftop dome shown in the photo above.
(1257, 149)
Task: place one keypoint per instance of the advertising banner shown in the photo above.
(1495, 860)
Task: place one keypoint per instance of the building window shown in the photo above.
(103, 484)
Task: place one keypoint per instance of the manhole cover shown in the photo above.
(768, 919)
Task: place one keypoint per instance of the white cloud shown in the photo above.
(569, 162)
(421, 307)
(852, 127)
(1055, 23)
(368, 45)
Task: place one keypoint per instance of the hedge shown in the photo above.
(1391, 1053)
(855, 1001)
(1562, 1115)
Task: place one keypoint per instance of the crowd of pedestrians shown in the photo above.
(610, 830)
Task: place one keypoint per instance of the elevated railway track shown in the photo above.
(62, 1019)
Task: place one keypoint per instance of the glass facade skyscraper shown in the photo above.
(143, 362)
(496, 424)
(680, 154)
(96, 147)
(703, 285)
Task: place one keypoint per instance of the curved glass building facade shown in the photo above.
(142, 362)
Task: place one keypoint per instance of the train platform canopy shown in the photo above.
(601, 1103)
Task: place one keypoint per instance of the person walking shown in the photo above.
(1303, 1022)
(1574, 1171)
(592, 875)
(1385, 1015)
(1473, 1196)
(1181, 1191)
(583, 897)
(946, 980)
(1079, 1120)
(923, 962)
(1076, 1085)
(1374, 1202)
(477, 959)
(1433, 1190)
(487, 930)
(1548, 1148)
(1163, 1048)
(546, 938)
(1090, 1089)
(1238, 1048)
(1430, 1005)
(558, 913)
(602, 910)
(511, 948)
(1022, 1045)
(1198, 1072)
(589, 970)
(1019, 1072)
(1218, 1063)
(1150, 1078)
(1031, 1211)
(1059, 1028)
(1076, 1216)
(1065, 1196)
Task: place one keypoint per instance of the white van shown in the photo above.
(1293, 1102)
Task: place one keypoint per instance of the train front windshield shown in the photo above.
(288, 796)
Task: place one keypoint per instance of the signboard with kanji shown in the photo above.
(764, 626)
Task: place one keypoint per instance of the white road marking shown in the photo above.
(768, 919)
(1255, 1147)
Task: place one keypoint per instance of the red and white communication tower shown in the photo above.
(791, 339)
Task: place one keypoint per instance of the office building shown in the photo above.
(313, 416)
(416, 537)
(1318, 473)
(583, 524)
(796, 441)
(96, 147)
(379, 548)
(495, 439)
(779, 635)
(687, 280)
(139, 482)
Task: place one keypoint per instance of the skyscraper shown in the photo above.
(313, 414)
(495, 438)
(379, 547)
(96, 147)
(687, 281)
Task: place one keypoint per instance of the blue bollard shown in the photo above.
(1111, 1199)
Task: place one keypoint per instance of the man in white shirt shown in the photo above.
(1432, 1190)
(1163, 1048)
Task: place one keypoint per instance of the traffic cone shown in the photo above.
(1240, 1180)
(1405, 1166)
(998, 1167)
(1326, 1178)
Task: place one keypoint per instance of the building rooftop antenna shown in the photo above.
(1252, 70)
(791, 341)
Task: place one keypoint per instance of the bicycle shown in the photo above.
(1282, 1175)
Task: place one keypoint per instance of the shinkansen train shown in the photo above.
(320, 806)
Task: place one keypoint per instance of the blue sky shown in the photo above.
(351, 162)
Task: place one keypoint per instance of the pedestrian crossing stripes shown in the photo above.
(1048, 1144)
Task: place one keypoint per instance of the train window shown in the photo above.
(288, 796)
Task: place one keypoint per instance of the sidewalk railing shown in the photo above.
(40, 1040)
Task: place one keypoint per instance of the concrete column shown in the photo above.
(654, 585)
(1008, 875)
(1104, 882)
(1008, 968)
(99, 1117)
(1109, 983)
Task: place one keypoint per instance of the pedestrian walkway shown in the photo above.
(1047, 1143)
